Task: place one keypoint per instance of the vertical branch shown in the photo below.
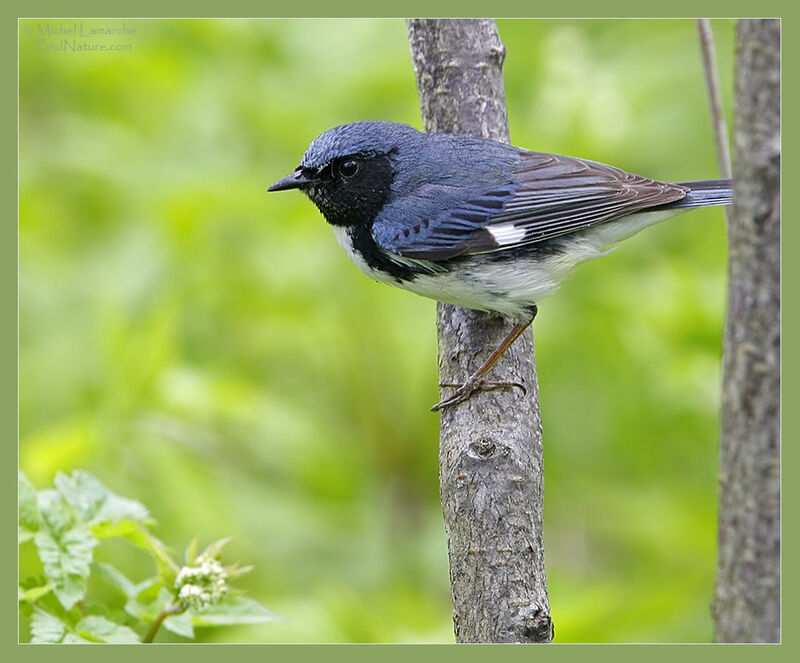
(490, 447)
(714, 96)
(747, 602)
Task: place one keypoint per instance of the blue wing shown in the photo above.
(546, 196)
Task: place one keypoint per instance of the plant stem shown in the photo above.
(174, 609)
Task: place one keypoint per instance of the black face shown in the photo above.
(350, 190)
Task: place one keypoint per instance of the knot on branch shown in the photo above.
(486, 448)
(498, 54)
(536, 625)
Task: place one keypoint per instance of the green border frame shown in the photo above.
(391, 653)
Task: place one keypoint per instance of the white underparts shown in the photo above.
(509, 286)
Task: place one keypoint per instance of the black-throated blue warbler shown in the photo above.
(474, 222)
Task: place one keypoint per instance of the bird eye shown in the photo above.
(349, 168)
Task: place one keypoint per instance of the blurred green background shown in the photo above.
(207, 349)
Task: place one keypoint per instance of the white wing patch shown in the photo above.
(506, 233)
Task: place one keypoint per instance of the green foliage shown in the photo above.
(207, 346)
(65, 537)
(100, 629)
(28, 509)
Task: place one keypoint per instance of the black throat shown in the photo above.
(355, 201)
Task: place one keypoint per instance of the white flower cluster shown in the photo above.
(201, 584)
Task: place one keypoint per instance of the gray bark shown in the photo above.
(490, 447)
(747, 602)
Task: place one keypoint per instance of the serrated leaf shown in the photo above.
(55, 513)
(45, 628)
(116, 578)
(96, 503)
(82, 492)
(99, 629)
(118, 508)
(66, 557)
(34, 593)
(180, 625)
(28, 508)
(72, 639)
(46, 601)
(232, 610)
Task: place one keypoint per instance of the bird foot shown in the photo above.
(464, 391)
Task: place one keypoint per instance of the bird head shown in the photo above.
(348, 171)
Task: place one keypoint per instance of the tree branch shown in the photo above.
(747, 605)
(490, 447)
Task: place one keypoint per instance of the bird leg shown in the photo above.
(475, 382)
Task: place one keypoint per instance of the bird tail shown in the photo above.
(704, 194)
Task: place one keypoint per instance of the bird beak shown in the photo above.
(293, 181)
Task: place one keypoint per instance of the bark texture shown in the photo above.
(490, 447)
(747, 605)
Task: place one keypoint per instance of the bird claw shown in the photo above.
(464, 391)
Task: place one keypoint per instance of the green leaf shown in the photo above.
(96, 503)
(82, 492)
(214, 550)
(150, 599)
(72, 639)
(116, 578)
(66, 557)
(167, 568)
(28, 508)
(34, 593)
(46, 628)
(56, 514)
(114, 613)
(118, 508)
(99, 629)
(32, 581)
(233, 610)
(180, 625)
(191, 552)
(126, 529)
(235, 571)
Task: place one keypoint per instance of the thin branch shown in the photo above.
(714, 96)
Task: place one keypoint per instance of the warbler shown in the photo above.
(475, 222)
